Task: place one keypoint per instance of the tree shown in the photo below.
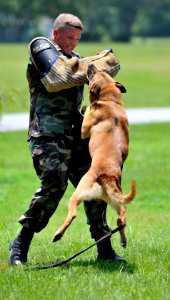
(103, 20)
(18, 16)
(153, 20)
(124, 18)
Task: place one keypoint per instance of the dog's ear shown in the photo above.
(121, 87)
(95, 89)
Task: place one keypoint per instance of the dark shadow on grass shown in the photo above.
(104, 266)
(101, 265)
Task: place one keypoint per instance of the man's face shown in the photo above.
(67, 38)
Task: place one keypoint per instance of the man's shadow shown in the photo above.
(104, 266)
(117, 266)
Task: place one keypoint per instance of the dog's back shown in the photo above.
(109, 133)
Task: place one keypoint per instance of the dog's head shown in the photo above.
(101, 82)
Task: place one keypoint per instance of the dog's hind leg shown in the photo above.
(121, 220)
(117, 201)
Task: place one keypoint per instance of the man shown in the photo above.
(54, 140)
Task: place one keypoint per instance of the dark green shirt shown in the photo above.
(51, 113)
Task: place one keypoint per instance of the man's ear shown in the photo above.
(121, 87)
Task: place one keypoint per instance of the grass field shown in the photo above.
(145, 72)
(145, 276)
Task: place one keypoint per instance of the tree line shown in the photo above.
(21, 20)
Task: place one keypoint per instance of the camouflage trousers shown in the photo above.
(57, 160)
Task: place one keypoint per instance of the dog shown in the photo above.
(106, 124)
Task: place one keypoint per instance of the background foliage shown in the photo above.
(108, 20)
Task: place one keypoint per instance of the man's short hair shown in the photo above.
(65, 19)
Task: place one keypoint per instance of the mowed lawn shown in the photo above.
(145, 276)
(145, 71)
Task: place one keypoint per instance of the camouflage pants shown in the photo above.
(57, 160)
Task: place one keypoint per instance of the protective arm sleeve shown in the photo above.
(58, 72)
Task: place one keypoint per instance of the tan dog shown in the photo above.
(105, 122)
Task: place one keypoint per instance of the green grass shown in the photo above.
(145, 71)
(146, 275)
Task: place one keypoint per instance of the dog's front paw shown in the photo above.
(56, 237)
(123, 242)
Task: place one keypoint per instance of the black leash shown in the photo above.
(60, 263)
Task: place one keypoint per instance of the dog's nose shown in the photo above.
(90, 67)
(91, 70)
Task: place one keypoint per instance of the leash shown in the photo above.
(60, 263)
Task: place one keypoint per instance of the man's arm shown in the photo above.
(58, 72)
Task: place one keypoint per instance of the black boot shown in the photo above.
(106, 252)
(20, 246)
(104, 248)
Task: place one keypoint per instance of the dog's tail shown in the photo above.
(112, 189)
(126, 198)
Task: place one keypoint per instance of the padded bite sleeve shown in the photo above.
(43, 54)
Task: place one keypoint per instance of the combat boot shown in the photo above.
(19, 247)
(106, 252)
(104, 247)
